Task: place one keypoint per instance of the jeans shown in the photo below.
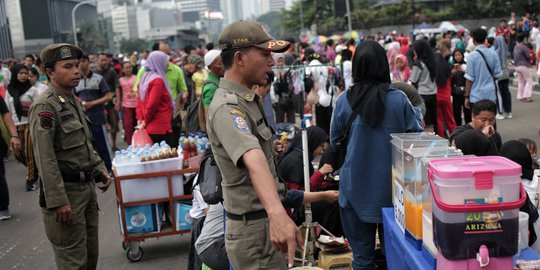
(505, 95)
(431, 111)
(100, 143)
(130, 121)
(458, 102)
(361, 237)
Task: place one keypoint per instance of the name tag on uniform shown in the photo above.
(67, 116)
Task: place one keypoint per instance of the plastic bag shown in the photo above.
(141, 137)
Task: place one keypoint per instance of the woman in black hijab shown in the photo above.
(371, 79)
(365, 179)
(19, 97)
(291, 166)
(18, 85)
(518, 152)
(291, 169)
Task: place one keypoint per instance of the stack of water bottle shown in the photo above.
(194, 144)
(139, 154)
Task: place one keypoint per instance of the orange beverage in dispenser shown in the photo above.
(413, 219)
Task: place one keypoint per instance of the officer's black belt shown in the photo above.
(248, 216)
(76, 177)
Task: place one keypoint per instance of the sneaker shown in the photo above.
(499, 117)
(508, 116)
(5, 215)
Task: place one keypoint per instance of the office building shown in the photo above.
(124, 22)
(232, 10)
(5, 36)
(36, 24)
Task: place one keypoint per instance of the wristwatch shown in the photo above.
(466, 96)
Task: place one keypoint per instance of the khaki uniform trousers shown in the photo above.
(249, 247)
(75, 245)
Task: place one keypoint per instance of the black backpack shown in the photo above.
(194, 119)
(209, 180)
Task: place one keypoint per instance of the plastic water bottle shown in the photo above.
(165, 148)
(145, 156)
(135, 158)
(117, 154)
(181, 141)
(206, 142)
(201, 146)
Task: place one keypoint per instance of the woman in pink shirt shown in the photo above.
(129, 101)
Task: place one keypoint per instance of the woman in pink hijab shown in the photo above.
(400, 71)
(155, 107)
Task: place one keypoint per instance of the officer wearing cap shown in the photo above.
(241, 142)
(68, 166)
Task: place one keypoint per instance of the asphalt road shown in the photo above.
(23, 244)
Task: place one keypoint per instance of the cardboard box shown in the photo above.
(140, 219)
(183, 221)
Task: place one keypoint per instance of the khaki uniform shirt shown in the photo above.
(236, 124)
(62, 141)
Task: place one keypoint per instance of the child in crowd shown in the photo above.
(401, 72)
(531, 146)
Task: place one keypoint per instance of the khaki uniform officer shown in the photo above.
(67, 162)
(242, 144)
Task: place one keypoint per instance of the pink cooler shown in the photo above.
(476, 203)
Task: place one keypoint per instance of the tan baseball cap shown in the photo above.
(60, 51)
(243, 34)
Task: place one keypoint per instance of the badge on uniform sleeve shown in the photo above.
(240, 122)
(45, 119)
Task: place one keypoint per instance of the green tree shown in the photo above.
(366, 14)
(90, 40)
(132, 45)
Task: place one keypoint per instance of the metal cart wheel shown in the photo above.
(134, 256)
(134, 252)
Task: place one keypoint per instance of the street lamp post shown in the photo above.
(73, 19)
(349, 24)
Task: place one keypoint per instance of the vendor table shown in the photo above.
(403, 256)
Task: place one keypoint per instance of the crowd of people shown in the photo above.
(455, 84)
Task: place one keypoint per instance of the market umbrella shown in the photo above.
(335, 37)
(317, 39)
(351, 34)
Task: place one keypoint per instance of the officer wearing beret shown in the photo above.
(241, 141)
(67, 163)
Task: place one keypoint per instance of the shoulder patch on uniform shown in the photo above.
(240, 123)
(45, 119)
(236, 111)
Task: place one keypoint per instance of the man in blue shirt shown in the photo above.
(94, 92)
(480, 82)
